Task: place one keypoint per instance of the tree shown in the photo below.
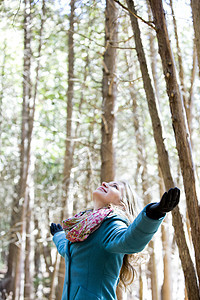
(29, 274)
(28, 110)
(166, 290)
(2, 89)
(69, 145)
(109, 90)
(196, 23)
(180, 129)
(162, 153)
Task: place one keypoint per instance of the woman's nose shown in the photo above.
(104, 184)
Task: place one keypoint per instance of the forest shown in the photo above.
(93, 91)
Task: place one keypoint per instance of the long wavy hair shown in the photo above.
(129, 210)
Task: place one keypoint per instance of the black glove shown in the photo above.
(167, 203)
(55, 228)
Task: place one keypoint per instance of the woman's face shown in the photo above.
(108, 193)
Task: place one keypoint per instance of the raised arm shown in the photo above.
(132, 239)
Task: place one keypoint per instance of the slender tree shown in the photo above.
(186, 99)
(142, 165)
(28, 286)
(179, 126)
(2, 89)
(163, 158)
(191, 92)
(195, 4)
(166, 287)
(69, 147)
(25, 152)
(109, 92)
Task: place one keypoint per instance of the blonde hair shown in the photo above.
(127, 272)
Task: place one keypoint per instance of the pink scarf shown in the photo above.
(79, 227)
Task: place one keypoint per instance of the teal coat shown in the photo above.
(93, 266)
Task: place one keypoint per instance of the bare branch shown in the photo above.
(138, 17)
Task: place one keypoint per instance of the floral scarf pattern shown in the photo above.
(80, 226)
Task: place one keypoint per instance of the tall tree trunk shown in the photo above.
(28, 287)
(191, 92)
(186, 100)
(2, 89)
(142, 162)
(152, 104)
(69, 147)
(29, 257)
(25, 152)
(109, 92)
(179, 126)
(166, 288)
(37, 253)
(180, 62)
(153, 54)
(188, 267)
(195, 4)
(153, 272)
(147, 199)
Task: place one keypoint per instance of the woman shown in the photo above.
(98, 243)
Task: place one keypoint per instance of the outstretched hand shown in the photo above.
(169, 200)
(167, 203)
(55, 228)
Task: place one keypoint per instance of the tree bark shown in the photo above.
(153, 272)
(166, 290)
(153, 55)
(188, 267)
(180, 62)
(2, 89)
(179, 125)
(191, 92)
(69, 147)
(29, 263)
(29, 270)
(25, 153)
(186, 100)
(195, 4)
(142, 162)
(109, 93)
(109, 90)
(166, 287)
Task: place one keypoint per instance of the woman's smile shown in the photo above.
(101, 188)
(107, 193)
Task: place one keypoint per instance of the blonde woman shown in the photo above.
(97, 244)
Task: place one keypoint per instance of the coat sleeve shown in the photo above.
(61, 242)
(120, 238)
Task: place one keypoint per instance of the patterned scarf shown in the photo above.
(79, 227)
